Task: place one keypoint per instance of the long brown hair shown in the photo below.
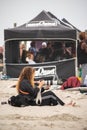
(26, 73)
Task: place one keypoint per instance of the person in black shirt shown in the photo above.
(43, 51)
(23, 53)
(26, 87)
(82, 54)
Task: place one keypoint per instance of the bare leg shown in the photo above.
(71, 103)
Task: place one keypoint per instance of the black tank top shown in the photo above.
(81, 55)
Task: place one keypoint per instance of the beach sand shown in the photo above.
(43, 117)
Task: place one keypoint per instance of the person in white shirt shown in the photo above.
(30, 58)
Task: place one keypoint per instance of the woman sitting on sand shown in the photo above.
(26, 87)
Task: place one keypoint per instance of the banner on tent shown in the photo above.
(46, 72)
(64, 69)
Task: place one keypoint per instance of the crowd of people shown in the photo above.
(49, 51)
(55, 51)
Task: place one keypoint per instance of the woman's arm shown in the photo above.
(27, 87)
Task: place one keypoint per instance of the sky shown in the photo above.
(22, 11)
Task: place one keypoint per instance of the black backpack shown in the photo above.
(19, 101)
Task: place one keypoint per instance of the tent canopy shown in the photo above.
(43, 26)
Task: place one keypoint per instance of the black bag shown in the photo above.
(19, 101)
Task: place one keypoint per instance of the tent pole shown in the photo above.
(4, 64)
(76, 61)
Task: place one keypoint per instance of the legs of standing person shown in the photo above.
(84, 72)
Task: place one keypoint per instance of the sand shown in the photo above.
(43, 117)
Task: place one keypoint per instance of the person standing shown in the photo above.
(33, 49)
(23, 53)
(82, 54)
